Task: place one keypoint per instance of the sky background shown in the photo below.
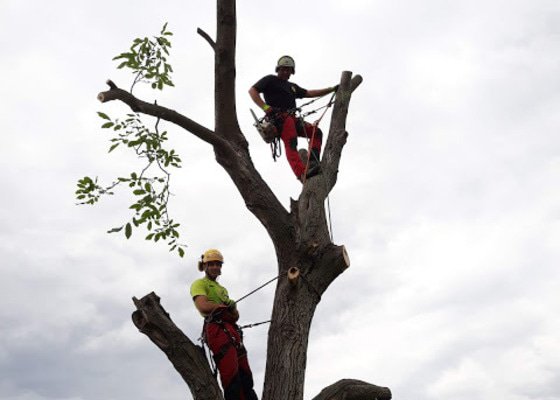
(448, 196)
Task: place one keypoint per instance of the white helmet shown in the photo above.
(286, 61)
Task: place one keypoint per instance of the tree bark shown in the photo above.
(187, 358)
(352, 389)
(308, 261)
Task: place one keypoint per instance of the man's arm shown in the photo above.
(207, 307)
(257, 99)
(320, 92)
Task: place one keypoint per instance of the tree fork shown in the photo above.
(300, 238)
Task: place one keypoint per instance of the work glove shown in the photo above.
(268, 109)
(271, 113)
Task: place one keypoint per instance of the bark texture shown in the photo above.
(300, 236)
(353, 389)
(188, 359)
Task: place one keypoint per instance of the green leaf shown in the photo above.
(115, 230)
(107, 125)
(181, 252)
(128, 230)
(113, 147)
(139, 192)
(103, 115)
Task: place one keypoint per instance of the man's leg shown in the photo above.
(246, 378)
(225, 356)
(315, 136)
(289, 137)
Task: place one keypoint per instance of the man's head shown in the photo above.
(211, 263)
(285, 67)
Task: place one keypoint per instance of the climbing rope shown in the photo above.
(208, 355)
(315, 125)
(257, 289)
(309, 152)
(254, 324)
(250, 293)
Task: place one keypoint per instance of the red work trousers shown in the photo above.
(231, 359)
(289, 135)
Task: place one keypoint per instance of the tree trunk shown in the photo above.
(308, 261)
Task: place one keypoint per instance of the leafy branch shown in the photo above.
(146, 59)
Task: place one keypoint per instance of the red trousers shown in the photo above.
(291, 129)
(225, 343)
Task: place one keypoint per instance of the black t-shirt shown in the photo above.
(279, 93)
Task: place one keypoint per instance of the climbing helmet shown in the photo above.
(286, 61)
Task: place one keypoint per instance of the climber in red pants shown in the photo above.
(279, 104)
(220, 331)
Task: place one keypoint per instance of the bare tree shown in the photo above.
(301, 239)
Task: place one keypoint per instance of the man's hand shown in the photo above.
(268, 109)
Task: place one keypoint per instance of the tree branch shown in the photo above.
(353, 389)
(140, 106)
(337, 131)
(188, 359)
(227, 124)
(207, 38)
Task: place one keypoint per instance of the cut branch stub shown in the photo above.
(345, 257)
(293, 276)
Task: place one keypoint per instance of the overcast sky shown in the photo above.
(448, 198)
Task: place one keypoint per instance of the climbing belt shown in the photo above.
(202, 336)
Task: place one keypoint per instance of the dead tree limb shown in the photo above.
(188, 359)
(353, 389)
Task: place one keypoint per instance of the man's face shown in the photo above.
(284, 72)
(213, 269)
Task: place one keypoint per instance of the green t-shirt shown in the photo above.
(215, 292)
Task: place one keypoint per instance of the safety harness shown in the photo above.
(222, 351)
(270, 127)
(216, 318)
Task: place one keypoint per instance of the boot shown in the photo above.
(303, 156)
(314, 159)
(314, 166)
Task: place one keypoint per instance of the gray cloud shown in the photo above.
(447, 197)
